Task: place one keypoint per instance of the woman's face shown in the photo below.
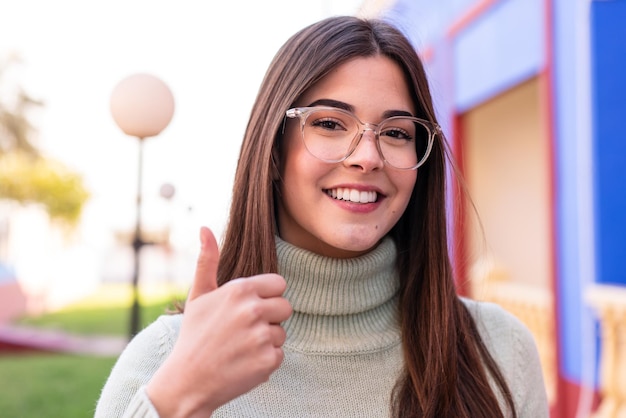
(308, 214)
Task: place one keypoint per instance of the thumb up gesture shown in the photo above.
(230, 340)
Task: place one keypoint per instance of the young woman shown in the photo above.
(333, 294)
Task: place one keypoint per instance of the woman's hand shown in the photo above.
(230, 340)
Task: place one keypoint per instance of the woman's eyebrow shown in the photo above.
(345, 106)
(391, 113)
(333, 103)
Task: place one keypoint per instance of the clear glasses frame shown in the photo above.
(303, 113)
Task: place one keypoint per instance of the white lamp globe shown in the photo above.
(142, 105)
(167, 191)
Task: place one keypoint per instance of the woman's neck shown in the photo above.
(340, 305)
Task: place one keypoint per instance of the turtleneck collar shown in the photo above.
(340, 305)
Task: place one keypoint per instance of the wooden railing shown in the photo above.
(533, 305)
(609, 302)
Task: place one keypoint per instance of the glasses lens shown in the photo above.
(404, 141)
(328, 133)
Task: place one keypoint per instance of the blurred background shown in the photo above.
(529, 94)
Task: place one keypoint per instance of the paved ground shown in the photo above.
(24, 339)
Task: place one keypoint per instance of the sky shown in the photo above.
(212, 55)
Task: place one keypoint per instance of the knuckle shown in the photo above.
(254, 312)
(243, 286)
(282, 336)
(287, 308)
(237, 288)
(262, 337)
(280, 282)
(202, 261)
(279, 355)
(271, 359)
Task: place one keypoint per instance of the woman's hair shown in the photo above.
(447, 368)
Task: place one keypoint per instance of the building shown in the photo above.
(530, 94)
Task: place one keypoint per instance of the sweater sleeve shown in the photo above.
(513, 348)
(123, 394)
(529, 389)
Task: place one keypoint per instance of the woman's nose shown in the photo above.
(366, 154)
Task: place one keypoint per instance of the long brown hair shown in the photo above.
(446, 364)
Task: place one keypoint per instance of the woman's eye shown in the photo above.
(396, 133)
(328, 124)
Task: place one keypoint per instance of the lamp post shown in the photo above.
(142, 106)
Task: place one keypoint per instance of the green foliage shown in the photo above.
(16, 131)
(28, 179)
(107, 310)
(26, 176)
(50, 385)
(111, 320)
(68, 386)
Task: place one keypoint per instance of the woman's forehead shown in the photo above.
(364, 83)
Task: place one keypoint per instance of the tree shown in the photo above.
(26, 176)
(15, 128)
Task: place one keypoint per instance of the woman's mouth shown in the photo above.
(352, 195)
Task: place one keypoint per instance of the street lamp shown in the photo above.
(142, 106)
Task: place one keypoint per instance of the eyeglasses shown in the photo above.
(332, 134)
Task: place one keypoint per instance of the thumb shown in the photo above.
(205, 279)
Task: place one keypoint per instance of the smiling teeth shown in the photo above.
(353, 195)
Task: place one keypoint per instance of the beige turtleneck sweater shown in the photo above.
(343, 352)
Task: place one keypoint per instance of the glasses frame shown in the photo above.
(303, 112)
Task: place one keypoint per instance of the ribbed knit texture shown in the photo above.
(340, 305)
(343, 352)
